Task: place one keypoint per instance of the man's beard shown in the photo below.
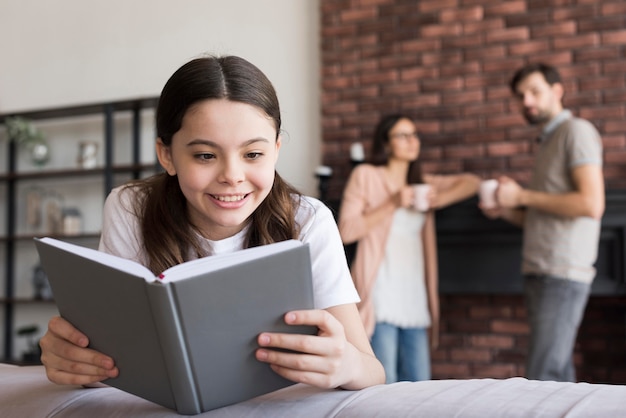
(540, 118)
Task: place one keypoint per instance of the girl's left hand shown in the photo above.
(320, 360)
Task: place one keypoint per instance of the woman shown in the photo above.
(395, 267)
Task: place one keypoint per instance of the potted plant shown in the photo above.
(26, 135)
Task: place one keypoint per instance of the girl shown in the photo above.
(218, 127)
(395, 267)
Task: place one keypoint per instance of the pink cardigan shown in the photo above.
(367, 189)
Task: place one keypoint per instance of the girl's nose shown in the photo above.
(231, 172)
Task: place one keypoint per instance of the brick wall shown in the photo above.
(447, 64)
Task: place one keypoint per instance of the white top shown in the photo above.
(400, 290)
(332, 283)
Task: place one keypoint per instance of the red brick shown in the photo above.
(418, 73)
(467, 96)
(373, 2)
(615, 126)
(439, 84)
(554, 29)
(505, 8)
(420, 100)
(608, 8)
(503, 149)
(608, 111)
(425, 6)
(484, 109)
(506, 35)
(491, 341)
(575, 42)
(597, 54)
(490, 311)
(504, 121)
(483, 26)
(463, 151)
(601, 24)
(471, 67)
(557, 59)
(495, 371)
(380, 77)
(472, 356)
(487, 52)
(450, 371)
(614, 38)
(529, 47)
(507, 66)
(509, 327)
(420, 45)
(463, 41)
(574, 12)
(448, 29)
(473, 13)
(399, 89)
(442, 58)
(356, 15)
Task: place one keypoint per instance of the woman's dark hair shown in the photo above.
(380, 144)
(168, 235)
(550, 74)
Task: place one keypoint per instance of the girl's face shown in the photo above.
(404, 144)
(225, 155)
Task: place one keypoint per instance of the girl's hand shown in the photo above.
(68, 360)
(322, 360)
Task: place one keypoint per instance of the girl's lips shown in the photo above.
(229, 198)
(230, 201)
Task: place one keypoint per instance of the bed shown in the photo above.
(26, 392)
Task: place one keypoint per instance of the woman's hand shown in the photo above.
(68, 360)
(324, 360)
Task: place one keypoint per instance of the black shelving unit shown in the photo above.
(12, 176)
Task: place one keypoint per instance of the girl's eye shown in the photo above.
(253, 155)
(204, 156)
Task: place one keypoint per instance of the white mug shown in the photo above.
(421, 200)
(487, 193)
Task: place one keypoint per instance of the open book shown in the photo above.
(185, 339)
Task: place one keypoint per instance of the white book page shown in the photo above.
(181, 271)
(203, 265)
(112, 261)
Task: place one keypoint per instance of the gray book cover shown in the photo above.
(187, 344)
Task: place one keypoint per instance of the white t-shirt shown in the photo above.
(332, 283)
(400, 290)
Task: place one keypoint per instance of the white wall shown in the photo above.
(71, 52)
(66, 52)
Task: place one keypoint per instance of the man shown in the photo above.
(560, 214)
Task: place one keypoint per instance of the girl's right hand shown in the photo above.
(67, 359)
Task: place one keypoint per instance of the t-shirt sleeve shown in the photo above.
(120, 227)
(332, 283)
(585, 144)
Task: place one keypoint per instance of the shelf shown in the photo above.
(86, 109)
(17, 243)
(26, 301)
(76, 172)
(63, 237)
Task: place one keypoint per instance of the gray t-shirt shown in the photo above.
(557, 245)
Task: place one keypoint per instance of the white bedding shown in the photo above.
(25, 392)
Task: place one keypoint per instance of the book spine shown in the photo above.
(174, 348)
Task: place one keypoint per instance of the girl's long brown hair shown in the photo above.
(169, 237)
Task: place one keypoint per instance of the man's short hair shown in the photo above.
(550, 73)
